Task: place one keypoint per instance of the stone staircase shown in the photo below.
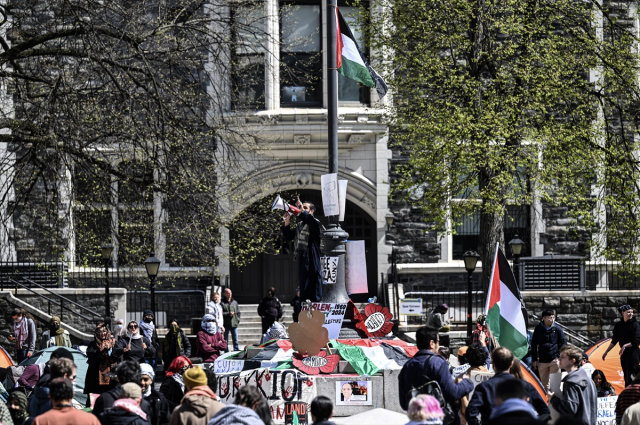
(250, 328)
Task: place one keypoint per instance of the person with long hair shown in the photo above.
(249, 408)
(100, 362)
(24, 334)
(424, 409)
(134, 346)
(173, 387)
(603, 387)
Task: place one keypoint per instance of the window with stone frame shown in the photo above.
(300, 54)
(248, 56)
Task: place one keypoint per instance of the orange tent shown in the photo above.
(611, 366)
(5, 358)
(531, 378)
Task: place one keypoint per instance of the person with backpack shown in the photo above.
(306, 237)
(428, 373)
(269, 309)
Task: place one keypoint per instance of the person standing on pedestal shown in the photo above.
(626, 333)
(307, 249)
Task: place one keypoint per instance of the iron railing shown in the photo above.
(180, 305)
(456, 300)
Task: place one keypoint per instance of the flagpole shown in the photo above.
(332, 242)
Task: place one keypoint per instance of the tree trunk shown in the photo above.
(491, 232)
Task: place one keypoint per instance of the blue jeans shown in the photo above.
(234, 335)
(21, 355)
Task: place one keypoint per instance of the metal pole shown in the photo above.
(469, 301)
(107, 298)
(332, 243)
(152, 289)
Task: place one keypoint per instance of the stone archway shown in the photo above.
(251, 282)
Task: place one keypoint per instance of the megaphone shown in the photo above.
(281, 204)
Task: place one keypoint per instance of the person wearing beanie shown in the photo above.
(199, 404)
(126, 409)
(148, 329)
(158, 406)
(626, 333)
(55, 336)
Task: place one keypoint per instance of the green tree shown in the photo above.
(500, 101)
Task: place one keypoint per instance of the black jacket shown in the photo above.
(271, 307)
(121, 417)
(625, 332)
(169, 347)
(159, 408)
(515, 418)
(297, 305)
(172, 392)
(137, 353)
(92, 378)
(106, 400)
(483, 400)
(546, 343)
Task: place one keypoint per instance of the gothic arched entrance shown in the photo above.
(250, 283)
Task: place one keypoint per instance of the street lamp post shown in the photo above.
(516, 249)
(470, 261)
(152, 264)
(107, 249)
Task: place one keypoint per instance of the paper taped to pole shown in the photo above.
(330, 197)
(355, 268)
(342, 197)
(329, 270)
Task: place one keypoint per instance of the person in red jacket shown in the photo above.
(210, 342)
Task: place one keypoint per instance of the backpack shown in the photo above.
(433, 389)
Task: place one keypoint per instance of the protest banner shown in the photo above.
(283, 389)
(329, 270)
(353, 393)
(226, 365)
(330, 197)
(607, 410)
(334, 313)
(355, 268)
(477, 378)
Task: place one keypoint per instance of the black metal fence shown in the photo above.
(180, 305)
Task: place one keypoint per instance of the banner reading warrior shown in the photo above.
(283, 389)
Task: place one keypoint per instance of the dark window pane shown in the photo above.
(301, 79)
(301, 28)
(92, 185)
(135, 236)
(249, 82)
(248, 62)
(135, 187)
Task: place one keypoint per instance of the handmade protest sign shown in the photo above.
(355, 268)
(226, 365)
(330, 197)
(334, 313)
(607, 410)
(329, 270)
(283, 389)
(350, 393)
(308, 336)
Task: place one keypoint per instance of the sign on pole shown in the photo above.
(411, 306)
(330, 197)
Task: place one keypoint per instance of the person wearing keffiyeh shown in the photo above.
(209, 342)
(17, 404)
(55, 336)
(24, 334)
(126, 409)
(100, 361)
(173, 387)
(148, 329)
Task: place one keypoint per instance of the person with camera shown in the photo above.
(427, 366)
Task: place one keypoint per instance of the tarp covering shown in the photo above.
(42, 356)
(610, 366)
(531, 378)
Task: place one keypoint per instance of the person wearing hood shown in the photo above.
(119, 331)
(199, 404)
(5, 415)
(173, 387)
(249, 408)
(159, 410)
(175, 344)
(437, 318)
(24, 334)
(100, 362)
(512, 405)
(276, 331)
(210, 342)
(579, 395)
(17, 404)
(134, 346)
(126, 409)
(55, 336)
(546, 342)
(626, 333)
(148, 329)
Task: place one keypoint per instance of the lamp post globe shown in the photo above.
(516, 245)
(152, 264)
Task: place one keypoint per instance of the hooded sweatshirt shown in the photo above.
(233, 414)
(198, 406)
(579, 397)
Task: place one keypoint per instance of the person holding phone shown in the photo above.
(24, 334)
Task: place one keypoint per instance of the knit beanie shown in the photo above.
(194, 377)
(130, 390)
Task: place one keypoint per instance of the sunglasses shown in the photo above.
(133, 326)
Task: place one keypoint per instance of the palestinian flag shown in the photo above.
(351, 62)
(506, 314)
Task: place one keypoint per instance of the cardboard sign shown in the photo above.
(330, 197)
(334, 313)
(477, 378)
(308, 336)
(329, 270)
(342, 197)
(278, 387)
(355, 268)
(607, 410)
(411, 307)
(296, 413)
(353, 393)
(226, 366)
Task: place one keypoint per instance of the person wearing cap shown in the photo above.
(296, 303)
(438, 320)
(199, 403)
(158, 407)
(55, 336)
(626, 333)
(231, 317)
(62, 411)
(126, 409)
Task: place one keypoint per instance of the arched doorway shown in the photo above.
(250, 283)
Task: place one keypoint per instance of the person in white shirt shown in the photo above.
(215, 309)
